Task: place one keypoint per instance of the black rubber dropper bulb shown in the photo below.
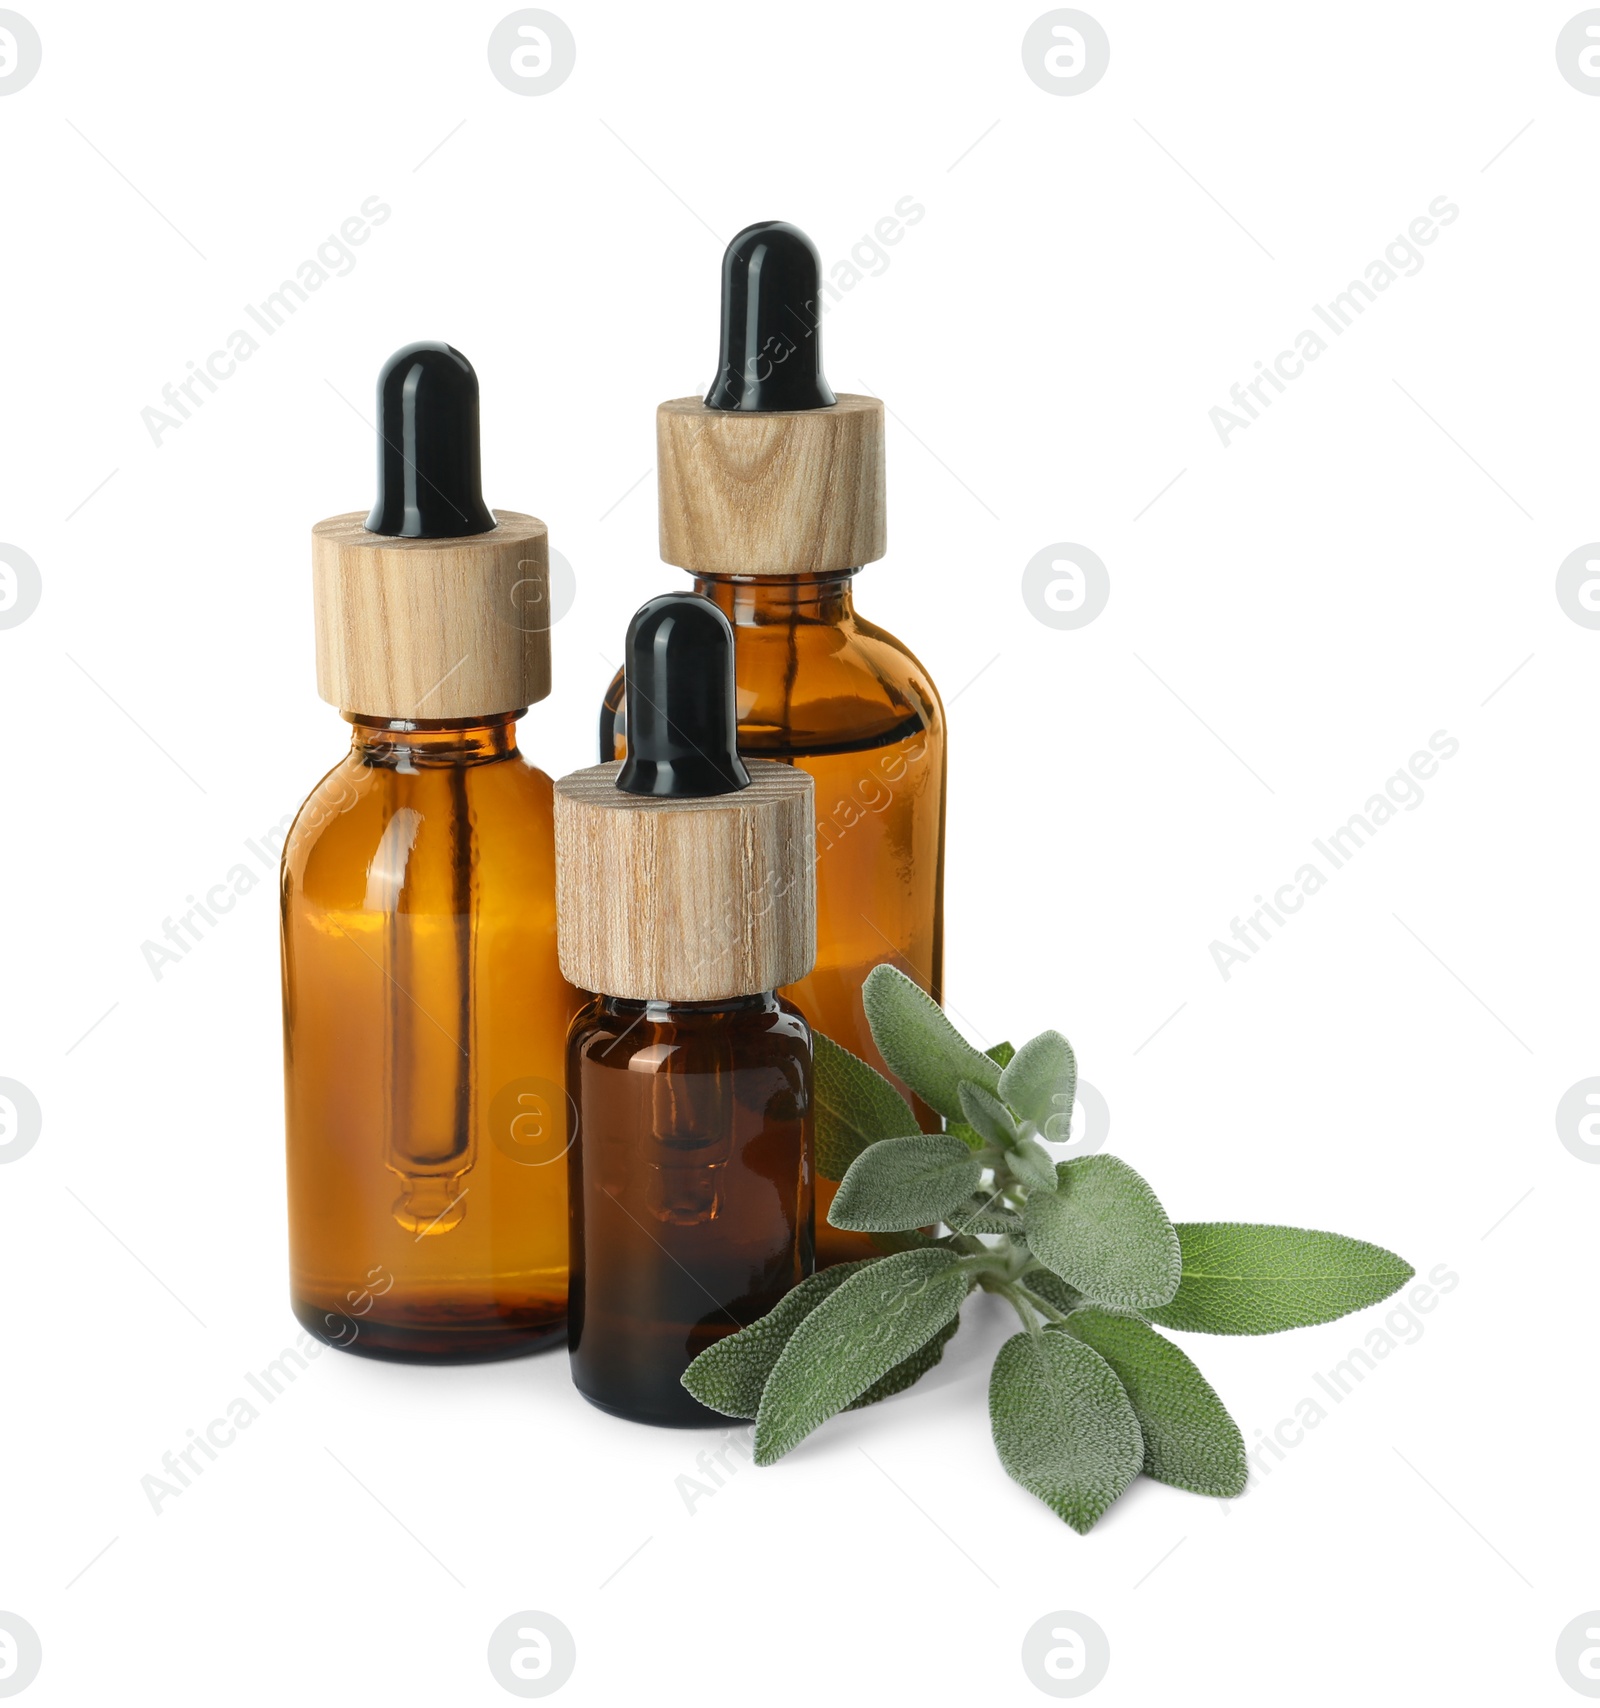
(771, 322)
(682, 725)
(430, 482)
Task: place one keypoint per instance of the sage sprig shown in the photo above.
(1088, 1394)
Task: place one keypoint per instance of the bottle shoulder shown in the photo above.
(794, 1023)
(821, 688)
(363, 818)
(895, 664)
(807, 687)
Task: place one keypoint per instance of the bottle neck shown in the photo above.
(628, 1008)
(751, 601)
(414, 744)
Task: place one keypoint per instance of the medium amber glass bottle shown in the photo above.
(424, 1009)
(686, 896)
(772, 493)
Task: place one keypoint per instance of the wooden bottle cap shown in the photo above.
(790, 492)
(686, 899)
(432, 628)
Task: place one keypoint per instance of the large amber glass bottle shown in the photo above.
(425, 1014)
(772, 494)
(424, 1026)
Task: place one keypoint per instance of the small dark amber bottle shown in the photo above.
(425, 1014)
(685, 897)
(772, 493)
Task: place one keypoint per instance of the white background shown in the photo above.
(1366, 565)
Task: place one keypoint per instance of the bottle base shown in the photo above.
(447, 1340)
(689, 1415)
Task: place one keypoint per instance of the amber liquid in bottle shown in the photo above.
(425, 1020)
(691, 1189)
(823, 689)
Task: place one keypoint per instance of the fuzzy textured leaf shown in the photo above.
(1040, 1081)
(1104, 1232)
(1189, 1439)
(1058, 1129)
(971, 1139)
(1033, 1165)
(920, 1044)
(730, 1374)
(985, 1215)
(908, 1370)
(855, 1107)
(1052, 1289)
(905, 1183)
(1255, 1278)
(855, 1337)
(1063, 1426)
(907, 1239)
(987, 1115)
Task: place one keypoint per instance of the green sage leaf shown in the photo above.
(855, 1107)
(987, 1115)
(1047, 1285)
(1063, 1426)
(906, 1239)
(919, 1043)
(730, 1374)
(1189, 1439)
(972, 1139)
(1254, 1278)
(985, 1215)
(905, 1183)
(1104, 1232)
(1001, 1053)
(908, 1370)
(1033, 1165)
(880, 1316)
(1040, 1081)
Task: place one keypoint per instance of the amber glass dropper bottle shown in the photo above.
(425, 1014)
(685, 881)
(772, 495)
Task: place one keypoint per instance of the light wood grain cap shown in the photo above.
(686, 900)
(432, 628)
(793, 492)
